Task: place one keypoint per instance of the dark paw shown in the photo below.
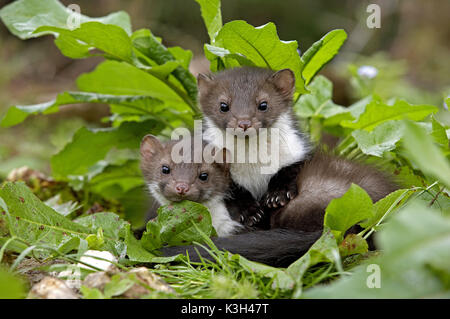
(252, 217)
(277, 199)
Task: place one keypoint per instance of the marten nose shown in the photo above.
(244, 124)
(182, 188)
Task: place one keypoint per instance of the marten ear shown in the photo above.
(284, 82)
(204, 82)
(150, 145)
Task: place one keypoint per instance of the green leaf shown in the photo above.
(353, 244)
(382, 139)
(137, 253)
(148, 45)
(422, 151)
(406, 178)
(33, 221)
(17, 114)
(318, 103)
(11, 287)
(111, 39)
(119, 78)
(325, 249)
(262, 47)
(151, 238)
(177, 225)
(281, 279)
(23, 17)
(438, 133)
(414, 238)
(91, 293)
(212, 16)
(344, 212)
(126, 176)
(377, 112)
(90, 146)
(96, 242)
(386, 205)
(212, 53)
(110, 224)
(182, 56)
(321, 52)
(135, 203)
(117, 286)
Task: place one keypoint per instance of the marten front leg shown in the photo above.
(245, 209)
(282, 187)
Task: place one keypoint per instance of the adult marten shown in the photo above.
(297, 193)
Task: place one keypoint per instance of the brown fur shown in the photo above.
(322, 179)
(155, 154)
(243, 89)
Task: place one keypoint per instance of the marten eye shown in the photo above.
(203, 176)
(262, 106)
(165, 169)
(224, 107)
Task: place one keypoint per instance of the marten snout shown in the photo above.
(182, 188)
(244, 124)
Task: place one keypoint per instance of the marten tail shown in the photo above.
(274, 247)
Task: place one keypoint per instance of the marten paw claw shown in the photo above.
(277, 199)
(252, 217)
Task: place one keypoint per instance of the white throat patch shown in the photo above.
(292, 148)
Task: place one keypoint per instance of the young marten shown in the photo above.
(253, 98)
(206, 183)
(295, 196)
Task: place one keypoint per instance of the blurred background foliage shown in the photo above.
(410, 53)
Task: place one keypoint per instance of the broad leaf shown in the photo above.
(321, 52)
(422, 151)
(377, 112)
(112, 228)
(281, 279)
(415, 246)
(137, 253)
(119, 78)
(90, 146)
(353, 244)
(387, 205)
(17, 114)
(33, 221)
(344, 212)
(111, 39)
(11, 287)
(126, 176)
(148, 45)
(23, 17)
(177, 225)
(383, 138)
(324, 249)
(438, 133)
(261, 46)
(318, 103)
(212, 16)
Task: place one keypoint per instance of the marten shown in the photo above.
(295, 196)
(233, 210)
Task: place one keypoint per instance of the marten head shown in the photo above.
(172, 182)
(247, 97)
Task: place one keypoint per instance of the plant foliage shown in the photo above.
(150, 89)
